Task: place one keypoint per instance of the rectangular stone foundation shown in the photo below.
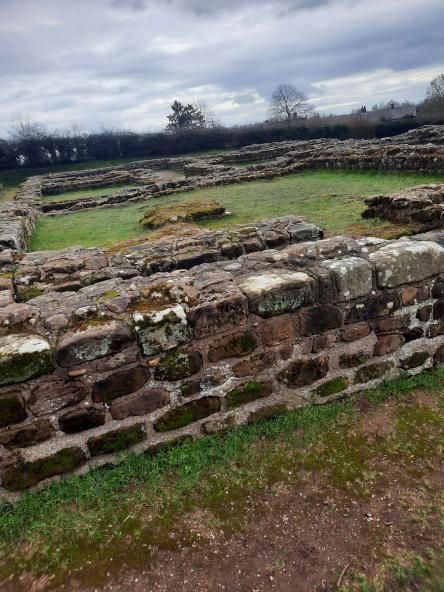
(129, 364)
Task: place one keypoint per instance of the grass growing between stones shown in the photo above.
(117, 515)
(88, 193)
(332, 200)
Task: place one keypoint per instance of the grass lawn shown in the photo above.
(87, 193)
(112, 514)
(332, 200)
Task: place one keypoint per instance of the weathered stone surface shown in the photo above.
(374, 307)
(318, 319)
(79, 420)
(235, 345)
(387, 344)
(23, 357)
(27, 434)
(304, 372)
(188, 413)
(245, 393)
(120, 383)
(93, 343)
(29, 474)
(415, 360)
(56, 322)
(355, 332)
(178, 365)
(161, 330)
(332, 387)
(351, 360)
(53, 395)
(275, 293)
(255, 364)
(276, 329)
(15, 314)
(391, 324)
(12, 409)
(321, 342)
(373, 371)
(116, 440)
(140, 403)
(353, 277)
(406, 262)
(230, 311)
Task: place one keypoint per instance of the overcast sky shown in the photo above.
(121, 63)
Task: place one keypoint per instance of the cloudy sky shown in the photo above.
(121, 63)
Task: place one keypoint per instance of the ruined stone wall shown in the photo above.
(130, 363)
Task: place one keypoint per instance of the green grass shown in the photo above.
(87, 193)
(113, 511)
(331, 200)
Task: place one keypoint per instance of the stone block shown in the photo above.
(248, 392)
(355, 332)
(374, 307)
(276, 329)
(23, 357)
(27, 434)
(91, 344)
(351, 360)
(391, 324)
(161, 330)
(79, 420)
(415, 360)
(116, 440)
(321, 342)
(255, 364)
(229, 311)
(12, 409)
(140, 403)
(407, 262)
(188, 413)
(318, 319)
(387, 344)
(353, 277)
(26, 475)
(274, 293)
(178, 365)
(54, 395)
(235, 345)
(304, 372)
(120, 383)
(438, 358)
(373, 371)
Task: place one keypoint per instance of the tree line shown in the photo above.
(193, 128)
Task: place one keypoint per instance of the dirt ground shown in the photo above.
(303, 535)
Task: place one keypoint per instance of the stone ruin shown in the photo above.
(108, 350)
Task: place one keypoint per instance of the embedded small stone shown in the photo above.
(415, 360)
(178, 365)
(120, 383)
(161, 330)
(12, 409)
(30, 473)
(79, 420)
(231, 346)
(188, 413)
(76, 372)
(93, 343)
(332, 387)
(140, 403)
(373, 371)
(424, 313)
(387, 344)
(248, 392)
(57, 321)
(304, 372)
(23, 357)
(275, 293)
(116, 440)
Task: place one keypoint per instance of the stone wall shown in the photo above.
(131, 363)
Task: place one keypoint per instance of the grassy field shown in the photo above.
(115, 515)
(332, 200)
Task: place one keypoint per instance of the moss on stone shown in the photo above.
(177, 365)
(29, 293)
(116, 440)
(22, 367)
(108, 295)
(28, 474)
(373, 371)
(331, 387)
(188, 413)
(237, 345)
(353, 360)
(246, 393)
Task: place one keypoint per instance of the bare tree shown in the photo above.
(209, 117)
(24, 129)
(436, 88)
(289, 103)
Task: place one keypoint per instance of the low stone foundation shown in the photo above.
(134, 363)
